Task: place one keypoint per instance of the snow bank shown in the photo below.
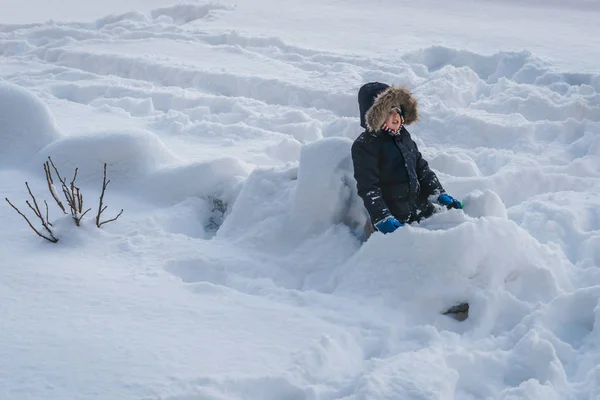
(491, 263)
(326, 189)
(129, 155)
(217, 179)
(484, 203)
(290, 204)
(26, 125)
(259, 213)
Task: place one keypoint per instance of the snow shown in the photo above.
(27, 125)
(240, 268)
(131, 155)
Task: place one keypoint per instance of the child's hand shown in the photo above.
(388, 225)
(449, 201)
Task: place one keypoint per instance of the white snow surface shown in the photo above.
(238, 268)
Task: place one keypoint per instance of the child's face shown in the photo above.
(394, 120)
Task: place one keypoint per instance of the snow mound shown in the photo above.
(129, 155)
(26, 125)
(491, 263)
(258, 215)
(484, 203)
(216, 179)
(311, 198)
(326, 189)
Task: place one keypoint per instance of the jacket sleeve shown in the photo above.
(366, 173)
(430, 184)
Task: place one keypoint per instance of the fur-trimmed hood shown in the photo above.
(388, 99)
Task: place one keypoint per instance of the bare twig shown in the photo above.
(56, 170)
(86, 211)
(65, 189)
(110, 220)
(79, 204)
(74, 177)
(100, 208)
(51, 187)
(75, 196)
(50, 239)
(47, 221)
(80, 197)
(70, 194)
(37, 209)
(32, 209)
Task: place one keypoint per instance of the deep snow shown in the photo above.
(238, 269)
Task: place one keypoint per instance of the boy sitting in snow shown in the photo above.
(393, 179)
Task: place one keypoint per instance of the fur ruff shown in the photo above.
(386, 101)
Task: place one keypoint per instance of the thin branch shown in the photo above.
(73, 191)
(48, 173)
(50, 239)
(68, 196)
(38, 213)
(100, 208)
(51, 187)
(110, 220)
(56, 170)
(74, 176)
(86, 211)
(80, 197)
(37, 210)
(32, 209)
(47, 221)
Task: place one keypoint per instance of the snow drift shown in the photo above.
(26, 125)
(130, 155)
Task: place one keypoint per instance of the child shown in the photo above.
(393, 179)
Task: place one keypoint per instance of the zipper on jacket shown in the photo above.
(412, 180)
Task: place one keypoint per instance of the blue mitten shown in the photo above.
(388, 225)
(449, 201)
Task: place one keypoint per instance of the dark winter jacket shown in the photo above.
(392, 176)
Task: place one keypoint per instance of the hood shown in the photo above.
(366, 97)
(385, 101)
